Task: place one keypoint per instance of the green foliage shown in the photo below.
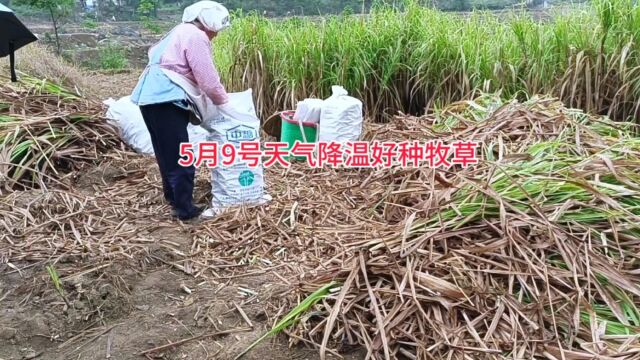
(113, 57)
(326, 7)
(57, 283)
(53, 275)
(56, 8)
(151, 25)
(348, 10)
(414, 59)
(147, 11)
(146, 8)
(23, 10)
(90, 24)
(298, 7)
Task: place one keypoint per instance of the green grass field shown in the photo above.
(408, 61)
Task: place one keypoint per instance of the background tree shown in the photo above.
(57, 10)
(147, 11)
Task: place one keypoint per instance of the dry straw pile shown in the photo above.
(46, 131)
(533, 253)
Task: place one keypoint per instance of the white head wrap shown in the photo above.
(212, 15)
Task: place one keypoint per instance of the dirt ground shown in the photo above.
(122, 307)
(122, 310)
(114, 85)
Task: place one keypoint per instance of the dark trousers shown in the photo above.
(167, 124)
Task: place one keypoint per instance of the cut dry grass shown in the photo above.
(533, 253)
(47, 131)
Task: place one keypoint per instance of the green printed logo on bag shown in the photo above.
(246, 178)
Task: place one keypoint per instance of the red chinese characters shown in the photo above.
(330, 153)
(207, 154)
(436, 154)
(464, 153)
(250, 153)
(383, 154)
(358, 154)
(275, 153)
(307, 151)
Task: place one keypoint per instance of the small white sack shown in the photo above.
(309, 110)
(133, 130)
(341, 118)
(239, 184)
(128, 118)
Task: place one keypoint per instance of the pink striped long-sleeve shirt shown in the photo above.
(189, 54)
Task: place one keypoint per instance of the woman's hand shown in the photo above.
(223, 108)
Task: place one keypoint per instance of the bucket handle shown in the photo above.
(300, 124)
(304, 136)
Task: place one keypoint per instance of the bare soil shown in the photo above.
(115, 85)
(121, 308)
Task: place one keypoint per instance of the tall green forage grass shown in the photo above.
(418, 58)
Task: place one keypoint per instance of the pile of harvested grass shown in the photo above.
(45, 130)
(532, 253)
(100, 221)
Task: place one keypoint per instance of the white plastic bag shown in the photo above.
(133, 131)
(308, 110)
(341, 117)
(238, 184)
(128, 118)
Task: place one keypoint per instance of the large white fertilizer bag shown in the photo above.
(133, 131)
(340, 118)
(238, 184)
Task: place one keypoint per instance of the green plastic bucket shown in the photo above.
(292, 130)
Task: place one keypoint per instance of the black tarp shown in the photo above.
(13, 36)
